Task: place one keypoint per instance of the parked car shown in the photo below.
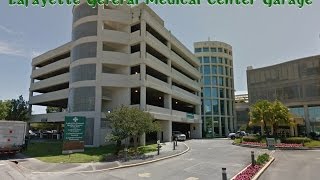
(32, 134)
(237, 134)
(180, 136)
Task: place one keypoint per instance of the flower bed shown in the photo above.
(248, 173)
(279, 145)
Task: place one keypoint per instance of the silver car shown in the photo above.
(179, 136)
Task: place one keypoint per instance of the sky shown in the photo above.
(260, 36)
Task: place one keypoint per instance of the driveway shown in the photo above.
(294, 165)
(204, 161)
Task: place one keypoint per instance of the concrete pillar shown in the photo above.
(166, 129)
(306, 118)
(291, 131)
(168, 101)
(226, 127)
(196, 130)
(220, 127)
(142, 139)
(143, 97)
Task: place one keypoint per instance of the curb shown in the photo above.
(118, 167)
(255, 177)
(277, 148)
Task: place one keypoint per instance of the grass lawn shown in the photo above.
(312, 143)
(51, 152)
(237, 141)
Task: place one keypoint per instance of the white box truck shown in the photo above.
(12, 136)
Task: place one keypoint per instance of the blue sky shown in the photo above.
(259, 35)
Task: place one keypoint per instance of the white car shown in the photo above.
(179, 136)
(237, 134)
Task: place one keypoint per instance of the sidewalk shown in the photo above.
(37, 166)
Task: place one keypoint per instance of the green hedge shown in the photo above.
(251, 139)
(296, 140)
(263, 158)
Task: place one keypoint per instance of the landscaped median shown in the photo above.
(281, 143)
(254, 170)
(50, 152)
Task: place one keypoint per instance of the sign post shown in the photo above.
(271, 143)
(74, 130)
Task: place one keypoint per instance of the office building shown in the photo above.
(295, 83)
(218, 112)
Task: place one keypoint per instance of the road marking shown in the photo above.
(192, 178)
(145, 175)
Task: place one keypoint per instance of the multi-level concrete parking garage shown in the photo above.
(119, 55)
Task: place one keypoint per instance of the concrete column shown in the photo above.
(196, 130)
(226, 126)
(220, 127)
(143, 139)
(143, 97)
(168, 101)
(166, 129)
(198, 109)
(291, 131)
(306, 118)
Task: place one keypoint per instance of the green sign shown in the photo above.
(271, 142)
(74, 128)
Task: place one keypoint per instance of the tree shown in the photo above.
(18, 110)
(261, 112)
(130, 122)
(270, 113)
(51, 109)
(4, 109)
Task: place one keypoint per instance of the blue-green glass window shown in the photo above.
(219, 49)
(206, 59)
(206, 69)
(201, 69)
(207, 80)
(214, 69)
(220, 70)
(213, 59)
(227, 71)
(197, 50)
(215, 106)
(200, 59)
(297, 111)
(221, 92)
(205, 49)
(231, 72)
(220, 60)
(225, 51)
(314, 113)
(214, 81)
(227, 93)
(207, 92)
(222, 107)
(214, 92)
(213, 49)
(227, 82)
(207, 106)
(221, 81)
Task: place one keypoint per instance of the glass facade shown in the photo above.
(83, 72)
(218, 112)
(85, 50)
(82, 99)
(84, 30)
(314, 118)
(84, 10)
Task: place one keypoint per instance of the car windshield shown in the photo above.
(176, 132)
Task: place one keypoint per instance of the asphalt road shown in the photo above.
(204, 161)
(294, 165)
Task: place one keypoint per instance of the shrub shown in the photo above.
(250, 139)
(313, 135)
(263, 158)
(296, 140)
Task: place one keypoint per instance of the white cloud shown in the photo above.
(7, 30)
(9, 49)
